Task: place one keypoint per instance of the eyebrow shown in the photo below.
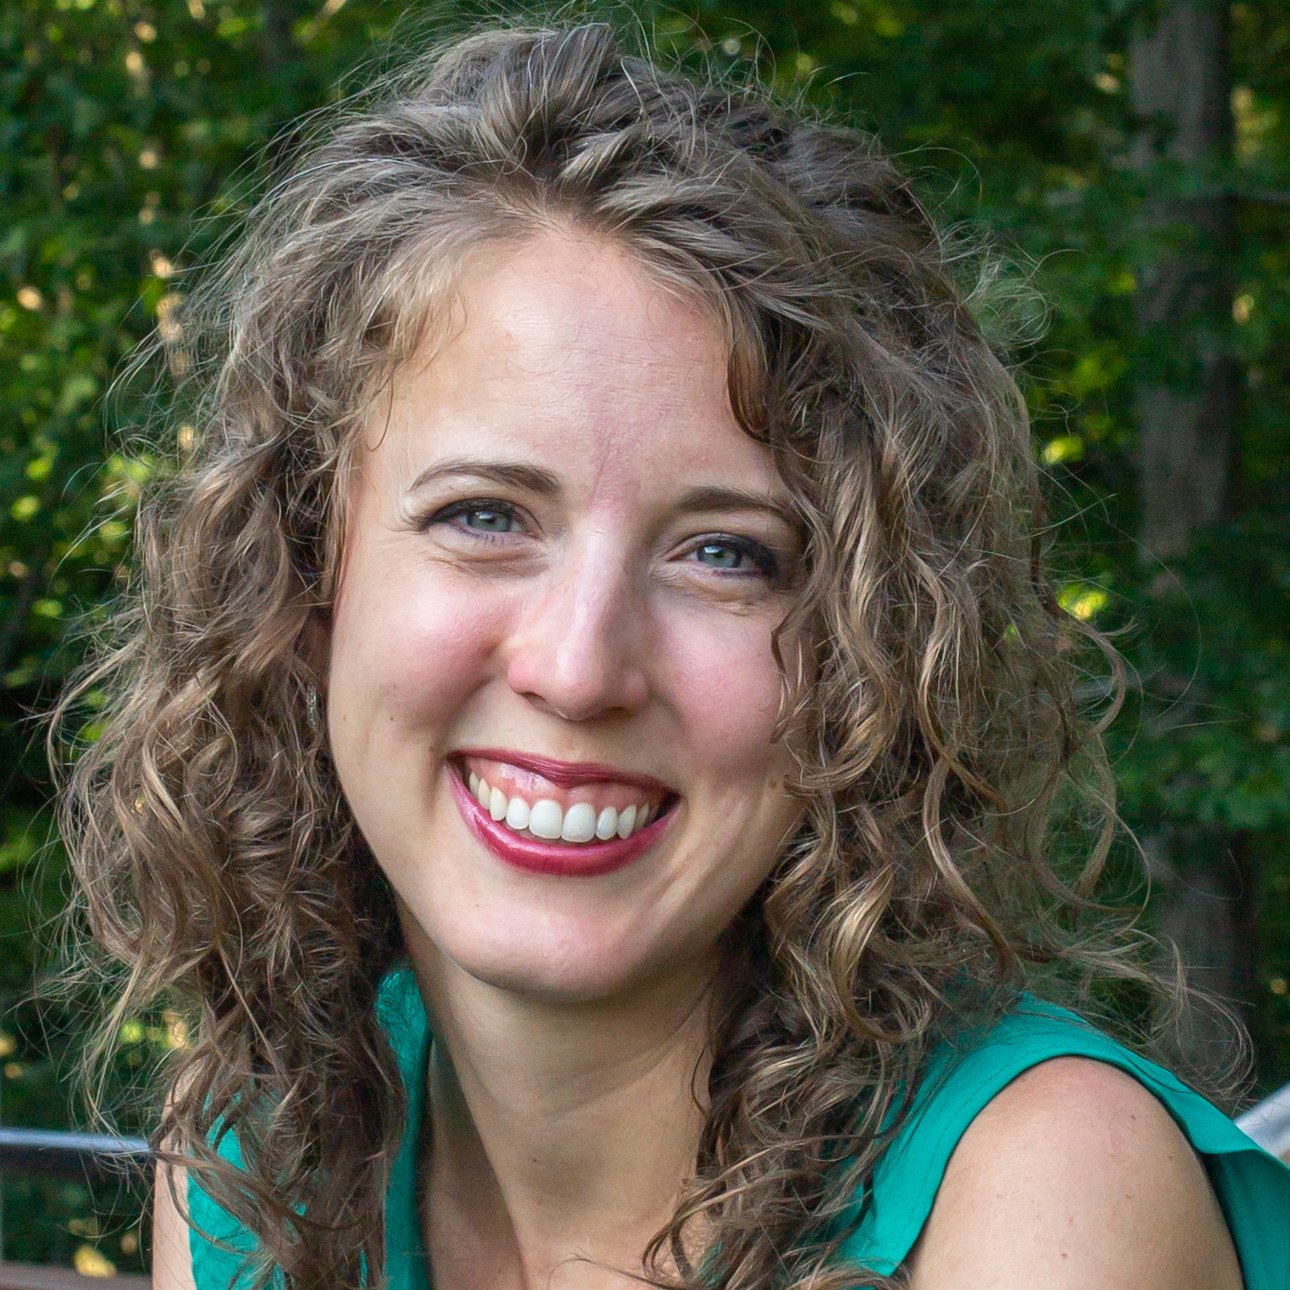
(534, 479)
(516, 474)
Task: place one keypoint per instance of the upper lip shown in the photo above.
(568, 774)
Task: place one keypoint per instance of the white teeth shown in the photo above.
(497, 804)
(546, 819)
(517, 814)
(579, 823)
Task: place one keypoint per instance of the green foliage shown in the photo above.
(1210, 745)
(130, 136)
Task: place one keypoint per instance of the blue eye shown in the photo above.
(736, 554)
(489, 519)
(478, 515)
(727, 556)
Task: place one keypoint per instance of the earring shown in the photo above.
(311, 706)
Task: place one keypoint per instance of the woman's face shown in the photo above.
(564, 561)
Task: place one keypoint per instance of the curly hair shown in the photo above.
(216, 860)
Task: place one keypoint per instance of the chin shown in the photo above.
(554, 976)
(541, 962)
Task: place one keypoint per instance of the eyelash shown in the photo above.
(767, 565)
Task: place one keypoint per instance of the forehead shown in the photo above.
(569, 347)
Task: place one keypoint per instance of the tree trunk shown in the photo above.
(1186, 391)
(1187, 386)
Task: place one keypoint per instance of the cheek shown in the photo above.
(409, 648)
(728, 688)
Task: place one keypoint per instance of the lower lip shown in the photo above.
(567, 860)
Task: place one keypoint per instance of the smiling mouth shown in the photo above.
(588, 816)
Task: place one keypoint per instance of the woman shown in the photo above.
(586, 746)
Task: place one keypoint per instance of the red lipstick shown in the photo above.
(566, 860)
(568, 774)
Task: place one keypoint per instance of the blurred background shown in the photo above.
(1128, 160)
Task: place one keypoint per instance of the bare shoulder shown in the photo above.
(172, 1262)
(1075, 1175)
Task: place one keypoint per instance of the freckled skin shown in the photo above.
(1075, 1176)
(590, 628)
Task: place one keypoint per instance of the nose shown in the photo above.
(579, 642)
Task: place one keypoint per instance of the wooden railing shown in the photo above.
(27, 1276)
(84, 1156)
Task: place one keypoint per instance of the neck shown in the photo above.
(561, 1131)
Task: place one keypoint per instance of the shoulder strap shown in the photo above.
(1252, 1186)
(219, 1244)
(403, 1015)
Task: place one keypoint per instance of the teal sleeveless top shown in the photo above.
(1253, 1187)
